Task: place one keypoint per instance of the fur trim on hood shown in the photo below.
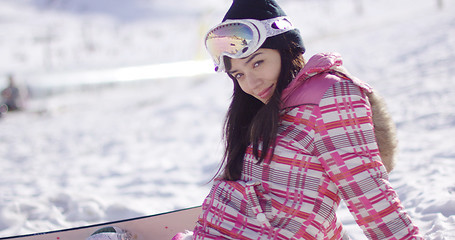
(384, 129)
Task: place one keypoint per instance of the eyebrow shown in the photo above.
(250, 58)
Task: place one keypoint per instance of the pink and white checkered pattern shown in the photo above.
(325, 153)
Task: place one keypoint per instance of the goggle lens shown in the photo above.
(231, 39)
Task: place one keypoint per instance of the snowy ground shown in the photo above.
(112, 151)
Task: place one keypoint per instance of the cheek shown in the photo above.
(274, 68)
(275, 73)
(244, 87)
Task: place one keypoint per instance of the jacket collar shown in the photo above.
(322, 62)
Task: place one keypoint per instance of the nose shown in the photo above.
(253, 81)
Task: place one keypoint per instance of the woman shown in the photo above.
(299, 138)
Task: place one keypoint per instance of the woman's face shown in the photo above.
(258, 73)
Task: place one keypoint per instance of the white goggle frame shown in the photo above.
(260, 30)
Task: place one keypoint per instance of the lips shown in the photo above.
(266, 92)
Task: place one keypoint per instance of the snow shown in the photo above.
(125, 116)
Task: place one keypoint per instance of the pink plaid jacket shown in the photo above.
(326, 152)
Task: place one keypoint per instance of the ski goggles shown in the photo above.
(241, 37)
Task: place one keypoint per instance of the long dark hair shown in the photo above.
(249, 121)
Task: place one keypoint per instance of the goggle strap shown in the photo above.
(276, 26)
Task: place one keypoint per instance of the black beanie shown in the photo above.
(261, 10)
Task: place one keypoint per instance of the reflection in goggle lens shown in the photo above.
(230, 39)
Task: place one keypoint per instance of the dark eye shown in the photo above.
(238, 76)
(256, 64)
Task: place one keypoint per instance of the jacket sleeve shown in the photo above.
(345, 145)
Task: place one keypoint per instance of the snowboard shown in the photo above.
(161, 226)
